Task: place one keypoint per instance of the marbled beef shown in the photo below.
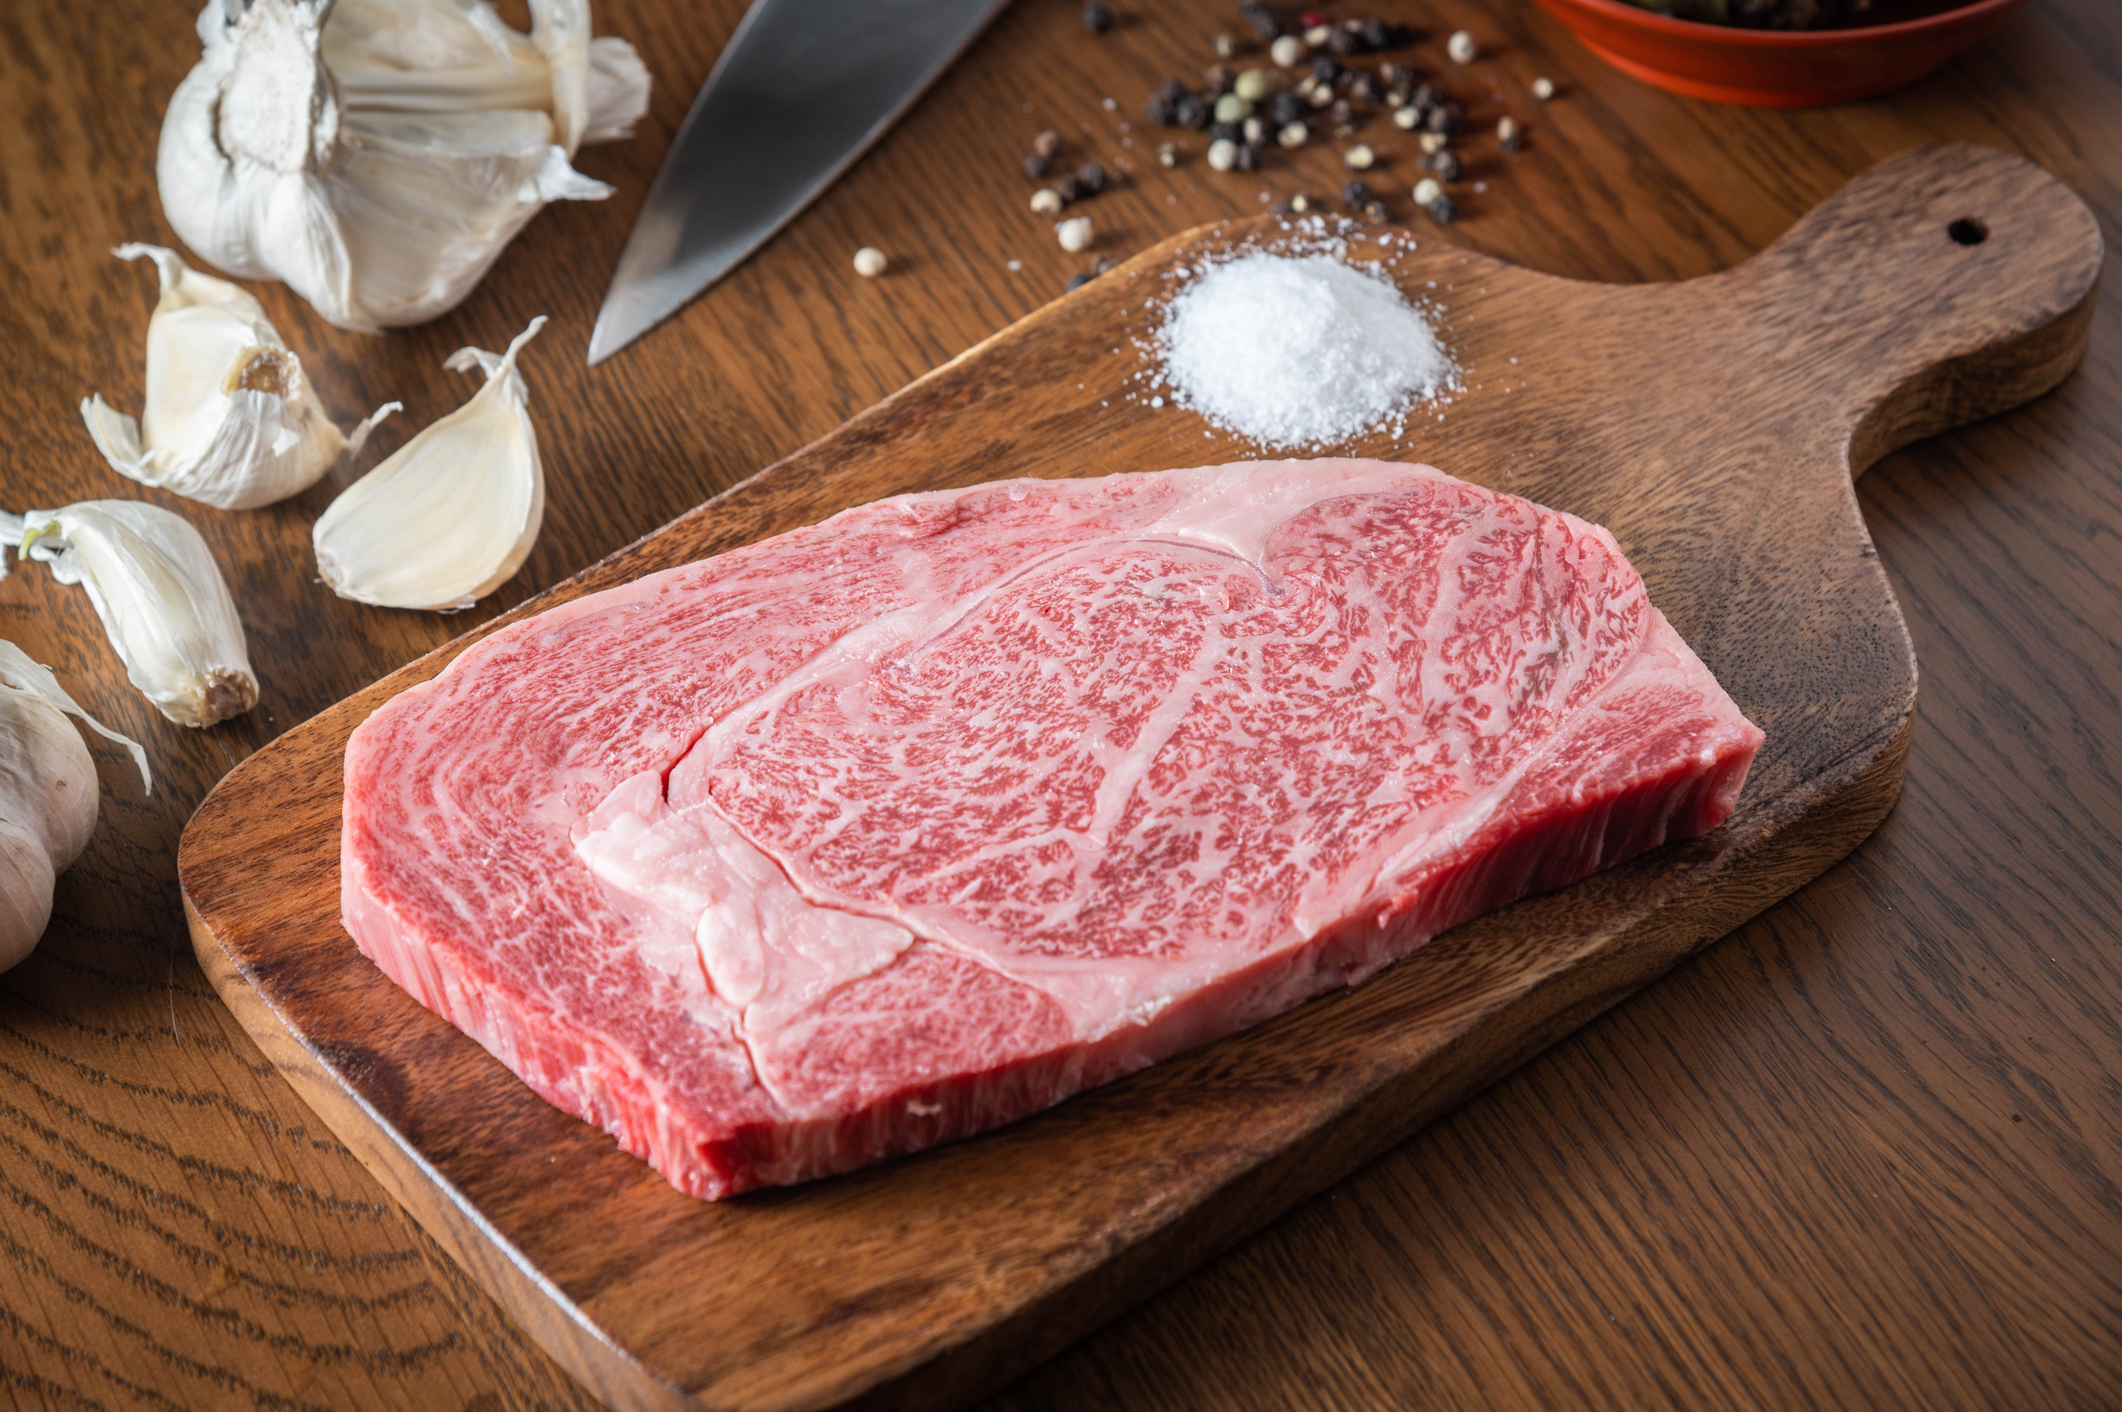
(904, 825)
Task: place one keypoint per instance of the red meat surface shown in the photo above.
(904, 825)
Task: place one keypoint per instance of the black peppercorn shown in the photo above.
(1355, 193)
(1443, 164)
(1442, 210)
(1341, 44)
(1219, 77)
(1225, 132)
(1077, 281)
(1036, 166)
(1285, 108)
(1158, 111)
(1374, 210)
(1192, 111)
(1047, 143)
(1364, 89)
(1261, 21)
(1091, 178)
(1097, 17)
(1341, 113)
(1325, 69)
(1099, 264)
(1224, 46)
(1171, 90)
(1445, 118)
(1425, 96)
(1248, 158)
(1376, 35)
(1068, 189)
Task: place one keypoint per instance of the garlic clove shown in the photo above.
(450, 515)
(162, 600)
(339, 147)
(48, 795)
(21, 672)
(230, 419)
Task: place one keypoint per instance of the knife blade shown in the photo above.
(800, 91)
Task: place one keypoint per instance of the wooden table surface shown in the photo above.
(1866, 1151)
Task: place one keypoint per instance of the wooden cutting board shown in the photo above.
(1714, 425)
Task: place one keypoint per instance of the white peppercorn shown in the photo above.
(1432, 142)
(1543, 88)
(1225, 46)
(1255, 130)
(869, 262)
(1046, 201)
(1287, 52)
(1317, 35)
(1507, 136)
(1167, 154)
(1074, 234)
(1461, 46)
(1222, 154)
(1252, 85)
(1230, 108)
(1360, 157)
(1427, 190)
(1407, 119)
(1293, 135)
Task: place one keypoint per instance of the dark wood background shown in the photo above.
(1866, 1151)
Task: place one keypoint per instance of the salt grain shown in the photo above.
(1293, 351)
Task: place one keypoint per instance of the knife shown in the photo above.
(801, 90)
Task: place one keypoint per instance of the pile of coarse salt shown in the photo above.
(1298, 350)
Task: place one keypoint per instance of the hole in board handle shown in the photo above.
(1967, 231)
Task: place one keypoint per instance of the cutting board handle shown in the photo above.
(1946, 284)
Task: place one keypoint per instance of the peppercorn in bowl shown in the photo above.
(1734, 62)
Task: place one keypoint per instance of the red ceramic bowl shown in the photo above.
(1774, 68)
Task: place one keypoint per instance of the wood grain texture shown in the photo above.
(926, 1282)
(1788, 1175)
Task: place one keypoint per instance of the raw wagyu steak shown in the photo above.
(910, 823)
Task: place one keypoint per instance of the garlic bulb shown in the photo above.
(47, 795)
(378, 154)
(162, 601)
(453, 512)
(230, 419)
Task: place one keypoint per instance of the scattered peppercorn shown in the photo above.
(1426, 96)
(1461, 46)
(1047, 143)
(1224, 46)
(1222, 154)
(1036, 166)
(1225, 132)
(1252, 85)
(1090, 177)
(869, 262)
(1543, 89)
(1444, 164)
(1167, 154)
(1375, 211)
(1074, 234)
(1219, 77)
(1247, 158)
(1432, 141)
(1300, 203)
(1254, 130)
(1355, 192)
(1068, 189)
(1285, 109)
(1097, 17)
(1443, 210)
(1407, 119)
(1192, 111)
(1078, 280)
(1341, 113)
(1046, 201)
(1316, 35)
(1446, 118)
(1359, 157)
(1325, 70)
(1230, 108)
(1287, 52)
(1364, 88)
(1261, 21)
(1427, 190)
(1293, 134)
(1507, 136)
(1342, 44)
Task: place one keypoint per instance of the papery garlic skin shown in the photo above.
(162, 600)
(230, 419)
(48, 795)
(453, 513)
(378, 154)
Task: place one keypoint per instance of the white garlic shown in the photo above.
(453, 512)
(378, 154)
(47, 795)
(163, 603)
(230, 419)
